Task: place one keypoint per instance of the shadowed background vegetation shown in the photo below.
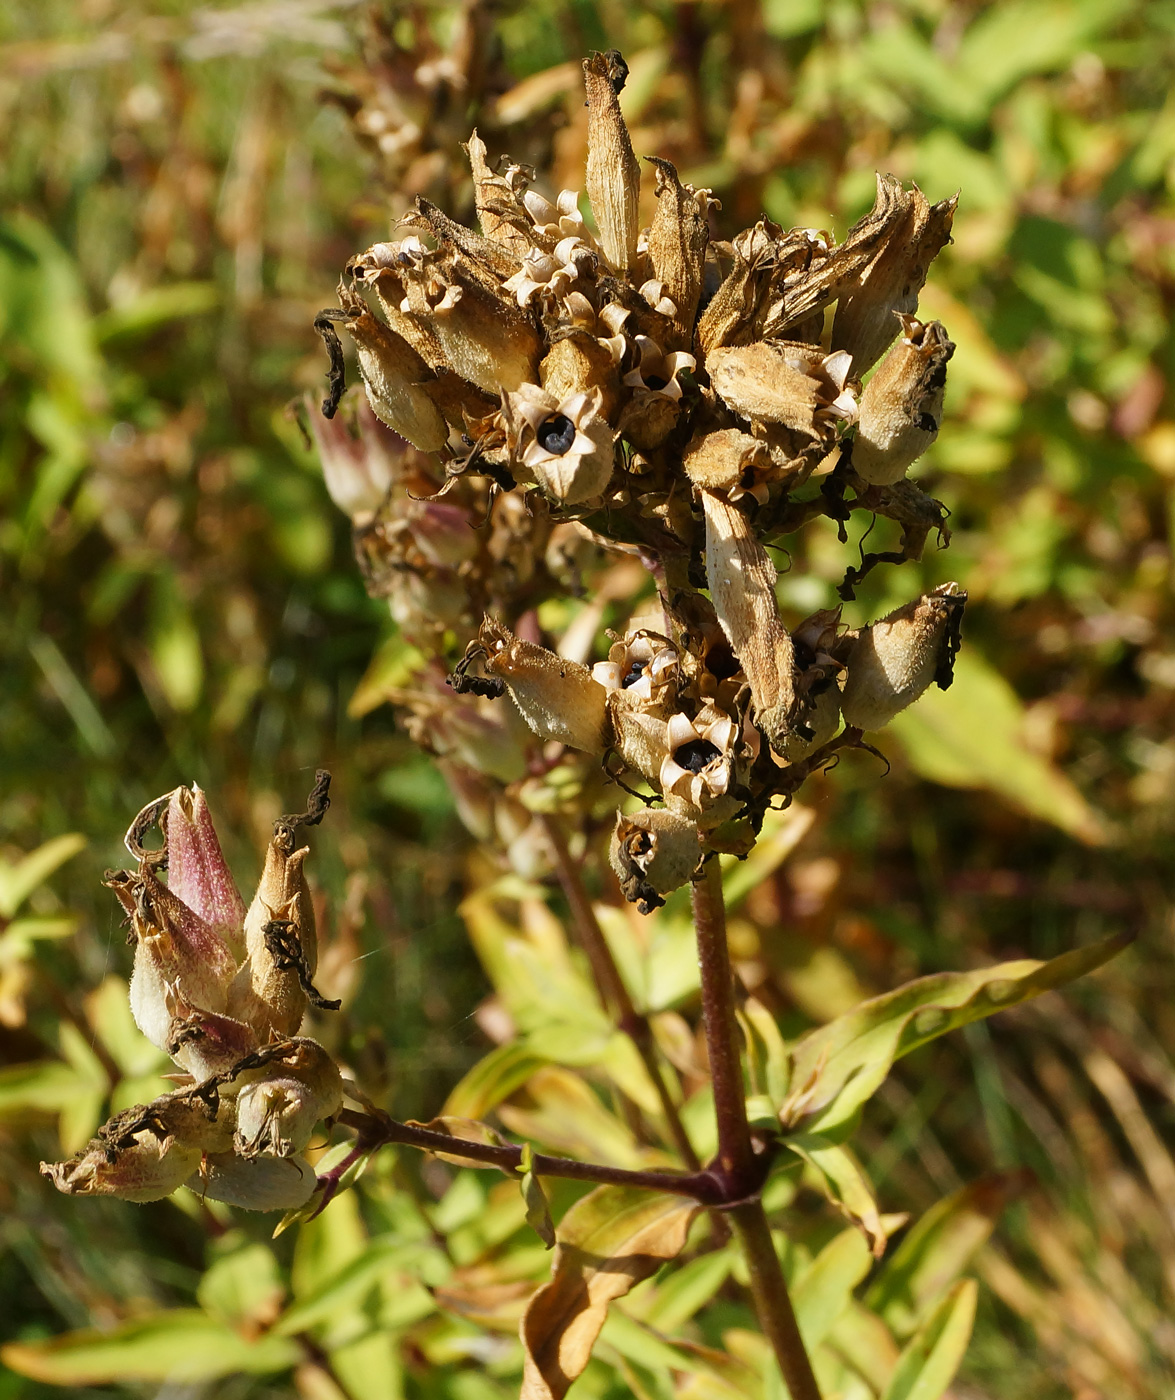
(180, 189)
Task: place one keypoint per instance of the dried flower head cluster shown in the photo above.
(222, 989)
(654, 393)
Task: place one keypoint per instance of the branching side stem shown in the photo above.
(611, 985)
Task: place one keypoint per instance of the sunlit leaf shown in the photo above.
(822, 1291)
(929, 1362)
(19, 880)
(844, 1183)
(837, 1068)
(608, 1241)
(491, 1080)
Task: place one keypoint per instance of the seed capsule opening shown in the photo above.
(556, 435)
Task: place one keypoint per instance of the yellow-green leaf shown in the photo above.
(928, 1364)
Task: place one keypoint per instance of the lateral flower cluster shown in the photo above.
(675, 397)
(223, 990)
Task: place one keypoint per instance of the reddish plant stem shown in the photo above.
(736, 1158)
(374, 1131)
(611, 985)
(772, 1303)
(740, 1170)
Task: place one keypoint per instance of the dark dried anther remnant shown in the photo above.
(661, 397)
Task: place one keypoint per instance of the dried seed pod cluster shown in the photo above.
(588, 382)
(223, 989)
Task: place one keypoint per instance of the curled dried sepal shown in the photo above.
(197, 873)
(499, 206)
(175, 950)
(906, 233)
(254, 1183)
(393, 375)
(901, 407)
(277, 1112)
(742, 588)
(698, 770)
(644, 667)
(891, 663)
(567, 448)
(653, 853)
(558, 698)
(613, 173)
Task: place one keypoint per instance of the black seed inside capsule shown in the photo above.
(654, 381)
(556, 435)
(635, 671)
(695, 755)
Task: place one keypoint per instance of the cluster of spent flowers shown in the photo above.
(658, 393)
(222, 989)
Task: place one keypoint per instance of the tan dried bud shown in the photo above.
(146, 1152)
(742, 588)
(678, 238)
(905, 234)
(559, 699)
(731, 461)
(255, 1183)
(901, 407)
(197, 873)
(277, 1111)
(892, 663)
(393, 375)
(566, 447)
(613, 173)
(175, 950)
(653, 853)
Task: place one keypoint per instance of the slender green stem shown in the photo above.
(772, 1303)
(614, 993)
(375, 1130)
(736, 1157)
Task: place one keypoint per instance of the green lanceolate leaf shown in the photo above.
(491, 1080)
(823, 1291)
(19, 880)
(845, 1185)
(607, 1242)
(938, 1248)
(929, 1362)
(184, 1346)
(838, 1067)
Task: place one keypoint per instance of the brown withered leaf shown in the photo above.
(608, 1242)
(613, 175)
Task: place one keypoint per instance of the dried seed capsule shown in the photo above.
(174, 949)
(678, 239)
(205, 1043)
(277, 1111)
(580, 363)
(255, 1183)
(566, 447)
(613, 174)
(559, 699)
(697, 771)
(730, 461)
(901, 407)
(742, 587)
(907, 233)
(499, 206)
(392, 375)
(269, 992)
(145, 1152)
(653, 853)
(891, 663)
(784, 382)
(197, 873)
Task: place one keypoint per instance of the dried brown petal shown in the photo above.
(901, 407)
(742, 587)
(613, 174)
(499, 208)
(784, 382)
(891, 663)
(559, 699)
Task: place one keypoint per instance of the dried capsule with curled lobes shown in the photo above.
(901, 408)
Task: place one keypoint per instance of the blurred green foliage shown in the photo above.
(180, 190)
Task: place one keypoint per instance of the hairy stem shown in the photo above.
(611, 985)
(772, 1302)
(374, 1131)
(736, 1157)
